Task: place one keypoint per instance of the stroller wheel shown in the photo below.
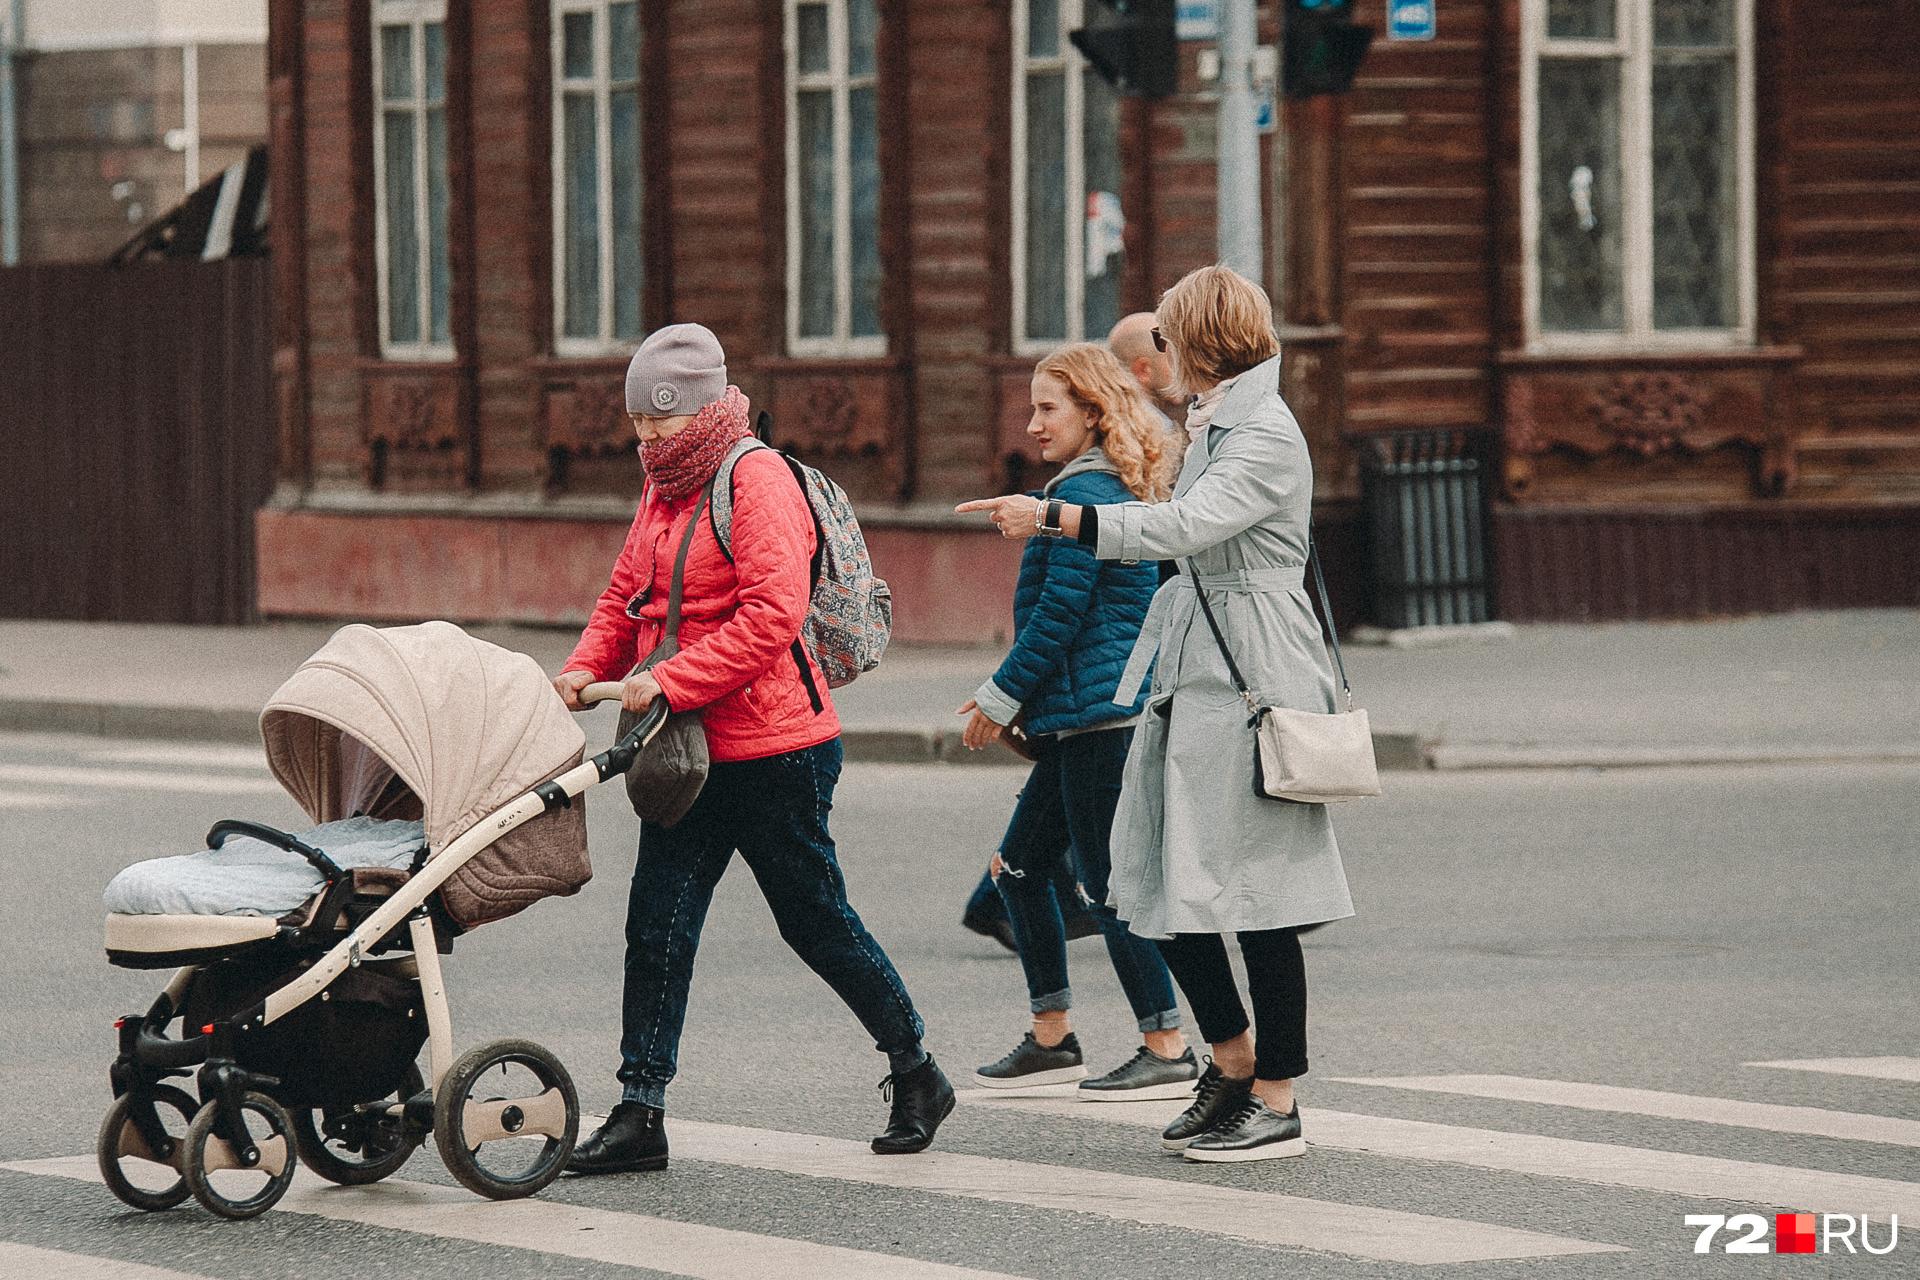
(219, 1181)
(505, 1118)
(354, 1146)
(133, 1170)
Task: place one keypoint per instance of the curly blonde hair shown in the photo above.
(1219, 323)
(1118, 415)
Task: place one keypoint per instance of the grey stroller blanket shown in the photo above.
(248, 877)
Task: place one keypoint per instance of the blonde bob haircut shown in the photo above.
(1219, 324)
(1117, 413)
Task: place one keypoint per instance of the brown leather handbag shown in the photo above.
(669, 772)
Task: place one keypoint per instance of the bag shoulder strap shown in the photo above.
(1233, 668)
(1326, 609)
(672, 630)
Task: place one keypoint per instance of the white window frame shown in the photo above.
(837, 78)
(1072, 66)
(604, 84)
(416, 14)
(1633, 45)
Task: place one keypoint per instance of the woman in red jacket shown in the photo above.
(775, 759)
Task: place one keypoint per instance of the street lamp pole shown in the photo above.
(10, 136)
(1238, 145)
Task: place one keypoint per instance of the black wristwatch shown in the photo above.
(1047, 521)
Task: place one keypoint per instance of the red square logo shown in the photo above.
(1793, 1232)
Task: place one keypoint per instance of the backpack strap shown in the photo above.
(720, 511)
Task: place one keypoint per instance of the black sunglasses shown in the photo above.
(1159, 343)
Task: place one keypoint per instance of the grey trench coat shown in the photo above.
(1194, 849)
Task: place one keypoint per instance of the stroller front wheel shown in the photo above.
(220, 1181)
(152, 1181)
(505, 1117)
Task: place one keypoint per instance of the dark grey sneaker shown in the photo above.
(1214, 1099)
(1144, 1077)
(1254, 1131)
(1032, 1064)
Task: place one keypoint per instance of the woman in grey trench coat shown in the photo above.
(1196, 853)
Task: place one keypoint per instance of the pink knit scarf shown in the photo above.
(688, 458)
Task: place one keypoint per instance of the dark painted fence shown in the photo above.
(136, 440)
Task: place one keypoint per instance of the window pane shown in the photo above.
(1100, 143)
(864, 167)
(1580, 19)
(581, 232)
(1043, 28)
(1694, 194)
(815, 124)
(815, 58)
(403, 234)
(1046, 264)
(436, 62)
(396, 64)
(863, 21)
(623, 28)
(1580, 194)
(626, 213)
(576, 46)
(1677, 23)
(439, 275)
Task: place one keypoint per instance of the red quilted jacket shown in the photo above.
(738, 621)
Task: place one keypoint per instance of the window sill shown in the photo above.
(1648, 357)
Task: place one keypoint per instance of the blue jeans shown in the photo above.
(1066, 809)
(774, 811)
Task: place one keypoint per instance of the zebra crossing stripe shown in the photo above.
(1667, 1106)
(1907, 1069)
(51, 1264)
(1362, 1231)
(1671, 1172)
(139, 780)
(565, 1230)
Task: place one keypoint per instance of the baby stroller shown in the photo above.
(305, 1025)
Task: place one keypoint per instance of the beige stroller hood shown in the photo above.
(467, 726)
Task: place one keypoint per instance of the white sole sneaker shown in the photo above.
(1174, 1146)
(1150, 1093)
(1033, 1079)
(1271, 1151)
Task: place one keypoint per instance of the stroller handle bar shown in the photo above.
(600, 691)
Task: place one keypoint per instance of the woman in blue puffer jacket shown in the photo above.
(1076, 620)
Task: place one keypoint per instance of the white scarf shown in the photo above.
(1200, 411)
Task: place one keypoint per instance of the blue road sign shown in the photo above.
(1196, 19)
(1410, 19)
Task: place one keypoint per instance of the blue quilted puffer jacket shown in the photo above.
(1076, 619)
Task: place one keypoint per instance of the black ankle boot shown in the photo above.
(633, 1140)
(922, 1098)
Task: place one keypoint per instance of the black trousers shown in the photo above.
(1276, 982)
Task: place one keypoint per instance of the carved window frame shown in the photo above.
(1070, 65)
(1633, 46)
(415, 16)
(602, 85)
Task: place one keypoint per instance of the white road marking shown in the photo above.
(37, 800)
(138, 779)
(572, 1231)
(51, 1264)
(1697, 1177)
(1907, 1069)
(196, 755)
(1362, 1231)
(1772, 1117)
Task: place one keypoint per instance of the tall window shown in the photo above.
(596, 175)
(1639, 171)
(410, 188)
(1067, 221)
(833, 179)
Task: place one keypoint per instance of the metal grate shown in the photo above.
(1425, 504)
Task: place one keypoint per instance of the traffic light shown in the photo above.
(1321, 47)
(1135, 50)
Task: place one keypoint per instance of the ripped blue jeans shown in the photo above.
(1067, 808)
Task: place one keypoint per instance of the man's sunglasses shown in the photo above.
(1159, 343)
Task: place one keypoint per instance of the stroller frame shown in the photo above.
(219, 1138)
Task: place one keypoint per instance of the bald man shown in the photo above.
(1132, 342)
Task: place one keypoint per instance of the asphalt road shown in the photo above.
(1542, 932)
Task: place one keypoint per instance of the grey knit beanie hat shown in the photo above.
(678, 369)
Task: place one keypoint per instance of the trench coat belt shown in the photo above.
(1165, 615)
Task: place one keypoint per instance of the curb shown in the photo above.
(1467, 756)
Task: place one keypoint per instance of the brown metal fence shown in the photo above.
(136, 439)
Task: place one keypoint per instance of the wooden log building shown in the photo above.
(1653, 266)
